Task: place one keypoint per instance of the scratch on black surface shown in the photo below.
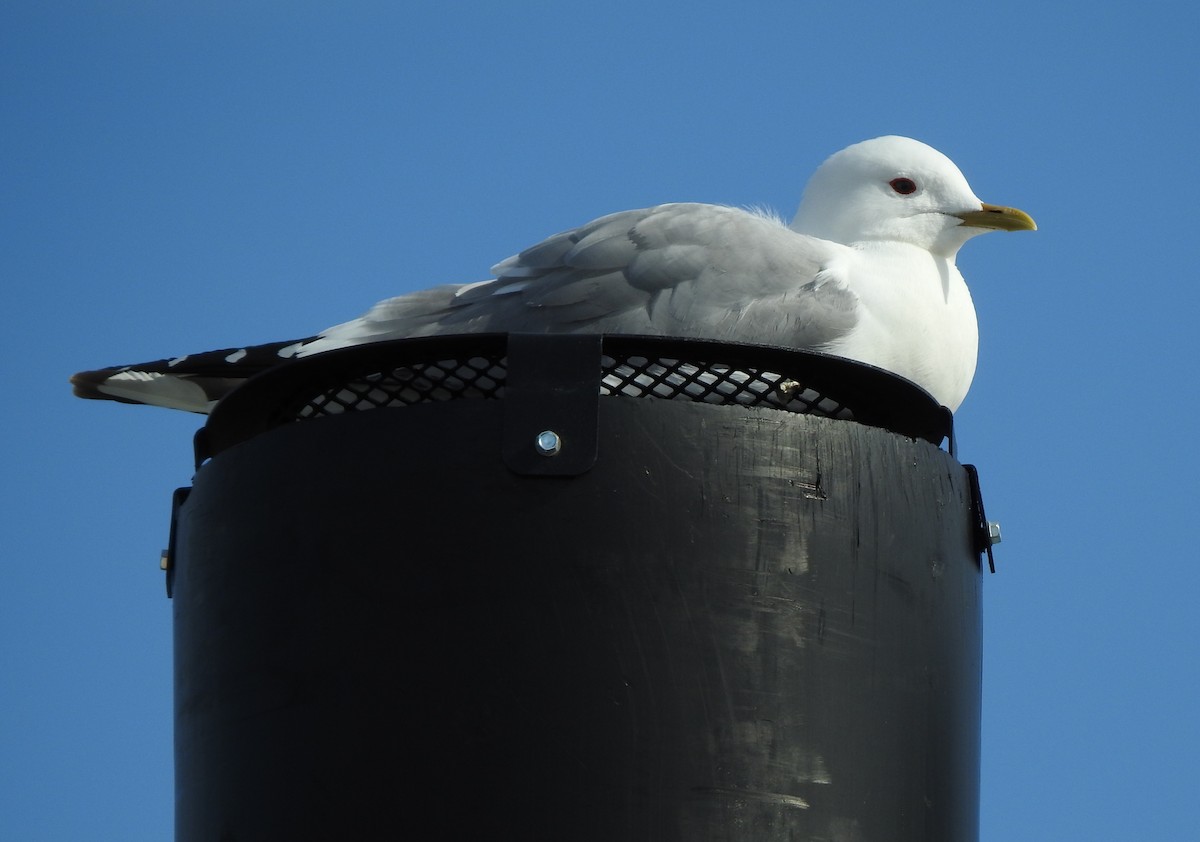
(754, 795)
(663, 453)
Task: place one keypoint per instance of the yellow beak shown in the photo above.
(999, 218)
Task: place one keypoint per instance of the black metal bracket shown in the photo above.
(167, 562)
(951, 438)
(201, 452)
(552, 404)
(981, 527)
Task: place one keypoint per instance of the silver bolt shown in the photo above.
(993, 532)
(548, 443)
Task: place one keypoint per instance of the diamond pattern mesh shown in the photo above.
(438, 380)
(717, 383)
(632, 376)
(407, 372)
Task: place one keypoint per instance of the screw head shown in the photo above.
(993, 532)
(548, 443)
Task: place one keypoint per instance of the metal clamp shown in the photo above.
(986, 532)
(552, 404)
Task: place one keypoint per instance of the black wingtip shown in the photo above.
(86, 384)
(213, 373)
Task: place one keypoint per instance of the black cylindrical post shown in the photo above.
(720, 622)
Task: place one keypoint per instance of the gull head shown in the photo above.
(896, 189)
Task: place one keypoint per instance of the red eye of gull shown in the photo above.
(903, 186)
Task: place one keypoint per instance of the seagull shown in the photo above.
(865, 271)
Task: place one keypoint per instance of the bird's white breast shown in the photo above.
(916, 317)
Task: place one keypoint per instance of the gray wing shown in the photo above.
(682, 269)
(691, 270)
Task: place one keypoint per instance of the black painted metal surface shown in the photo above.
(739, 624)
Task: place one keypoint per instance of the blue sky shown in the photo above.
(185, 176)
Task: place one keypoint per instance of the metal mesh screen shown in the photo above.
(476, 367)
(633, 376)
(437, 380)
(717, 383)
